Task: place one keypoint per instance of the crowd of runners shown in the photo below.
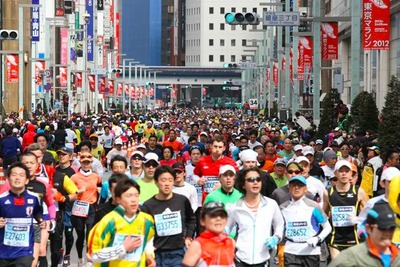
(192, 187)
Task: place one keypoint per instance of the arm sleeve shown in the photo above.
(69, 186)
(49, 200)
(109, 254)
(193, 199)
(98, 168)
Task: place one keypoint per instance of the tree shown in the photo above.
(328, 119)
(389, 130)
(364, 113)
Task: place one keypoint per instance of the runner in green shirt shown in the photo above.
(279, 173)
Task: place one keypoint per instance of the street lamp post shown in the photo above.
(124, 81)
(130, 81)
(85, 94)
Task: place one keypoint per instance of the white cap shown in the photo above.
(15, 130)
(301, 159)
(340, 163)
(307, 150)
(327, 148)
(248, 155)
(151, 156)
(204, 133)
(336, 129)
(141, 146)
(298, 147)
(137, 153)
(224, 168)
(389, 173)
(118, 141)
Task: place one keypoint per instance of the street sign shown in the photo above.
(247, 65)
(47, 73)
(253, 103)
(57, 105)
(47, 86)
(280, 18)
(98, 72)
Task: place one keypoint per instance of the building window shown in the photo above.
(233, 58)
(222, 42)
(211, 58)
(222, 26)
(244, 27)
(233, 42)
(233, 9)
(244, 10)
(211, 26)
(244, 42)
(211, 42)
(221, 58)
(222, 10)
(244, 58)
(255, 10)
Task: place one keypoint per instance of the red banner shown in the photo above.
(132, 88)
(110, 87)
(102, 85)
(119, 89)
(268, 75)
(275, 73)
(330, 40)
(291, 65)
(204, 91)
(126, 89)
(376, 25)
(117, 44)
(78, 79)
(91, 80)
(64, 46)
(283, 67)
(12, 68)
(151, 92)
(63, 76)
(137, 93)
(39, 66)
(305, 56)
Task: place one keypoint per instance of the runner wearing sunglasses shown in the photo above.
(147, 185)
(254, 215)
(303, 222)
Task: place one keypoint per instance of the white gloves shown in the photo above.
(313, 241)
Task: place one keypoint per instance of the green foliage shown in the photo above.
(328, 119)
(389, 130)
(364, 113)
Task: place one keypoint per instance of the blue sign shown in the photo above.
(35, 22)
(90, 30)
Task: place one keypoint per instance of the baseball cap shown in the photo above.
(280, 161)
(382, 215)
(336, 129)
(48, 158)
(94, 136)
(375, 148)
(248, 155)
(308, 150)
(64, 150)
(342, 163)
(334, 143)
(329, 154)
(137, 153)
(301, 159)
(178, 166)
(319, 142)
(298, 147)
(299, 178)
(85, 156)
(203, 133)
(118, 142)
(150, 156)
(15, 130)
(212, 207)
(389, 173)
(141, 146)
(224, 168)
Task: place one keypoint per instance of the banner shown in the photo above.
(119, 89)
(90, 30)
(268, 75)
(204, 91)
(117, 43)
(291, 65)
(78, 79)
(12, 68)
(305, 56)
(275, 73)
(39, 66)
(376, 25)
(35, 22)
(110, 87)
(64, 46)
(63, 76)
(329, 40)
(283, 65)
(102, 85)
(137, 93)
(91, 80)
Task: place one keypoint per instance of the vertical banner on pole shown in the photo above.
(78, 79)
(305, 56)
(102, 85)
(35, 22)
(329, 40)
(275, 73)
(64, 46)
(91, 80)
(117, 44)
(39, 66)
(63, 76)
(12, 68)
(376, 25)
(90, 30)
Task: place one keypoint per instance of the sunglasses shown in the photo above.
(294, 172)
(136, 158)
(253, 179)
(86, 157)
(213, 205)
(93, 139)
(151, 164)
(178, 171)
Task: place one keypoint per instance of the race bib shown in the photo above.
(297, 231)
(168, 224)
(199, 191)
(133, 256)
(211, 182)
(16, 232)
(341, 216)
(80, 209)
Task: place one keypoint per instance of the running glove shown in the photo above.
(313, 241)
(271, 242)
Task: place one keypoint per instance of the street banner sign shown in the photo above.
(279, 18)
(253, 102)
(330, 40)
(376, 25)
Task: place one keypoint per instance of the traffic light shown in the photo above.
(227, 86)
(230, 65)
(250, 18)
(115, 71)
(311, 86)
(8, 35)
